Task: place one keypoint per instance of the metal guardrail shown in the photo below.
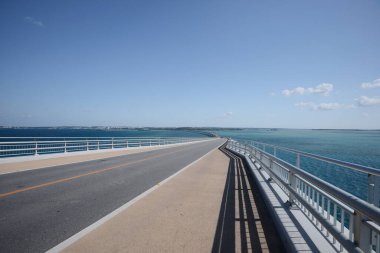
(372, 173)
(354, 166)
(48, 145)
(349, 223)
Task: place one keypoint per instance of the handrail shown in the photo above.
(356, 203)
(364, 217)
(358, 167)
(72, 144)
(333, 230)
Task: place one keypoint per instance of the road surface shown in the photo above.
(41, 208)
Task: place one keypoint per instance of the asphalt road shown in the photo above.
(41, 208)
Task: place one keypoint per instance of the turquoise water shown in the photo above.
(361, 147)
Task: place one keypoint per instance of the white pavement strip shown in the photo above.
(109, 216)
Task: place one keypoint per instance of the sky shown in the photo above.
(223, 63)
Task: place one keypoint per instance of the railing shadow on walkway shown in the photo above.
(244, 225)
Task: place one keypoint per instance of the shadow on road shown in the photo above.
(244, 224)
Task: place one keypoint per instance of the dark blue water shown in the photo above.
(361, 147)
(93, 133)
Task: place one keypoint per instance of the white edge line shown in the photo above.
(76, 237)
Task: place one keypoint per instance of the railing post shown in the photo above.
(270, 167)
(112, 143)
(292, 184)
(87, 144)
(298, 161)
(373, 189)
(36, 148)
(98, 145)
(65, 146)
(362, 233)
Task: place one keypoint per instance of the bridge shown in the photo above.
(175, 195)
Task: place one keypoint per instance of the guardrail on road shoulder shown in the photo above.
(38, 146)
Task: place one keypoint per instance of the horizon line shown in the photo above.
(178, 127)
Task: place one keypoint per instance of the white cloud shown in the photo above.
(370, 85)
(335, 106)
(296, 91)
(227, 114)
(224, 116)
(34, 21)
(368, 101)
(323, 106)
(324, 89)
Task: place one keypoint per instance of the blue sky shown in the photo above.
(293, 64)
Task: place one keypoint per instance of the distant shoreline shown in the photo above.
(123, 128)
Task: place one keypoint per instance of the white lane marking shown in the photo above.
(92, 227)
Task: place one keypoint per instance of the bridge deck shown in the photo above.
(141, 202)
(209, 207)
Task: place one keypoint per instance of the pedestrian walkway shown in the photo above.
(209, 207)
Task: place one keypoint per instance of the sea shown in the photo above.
(355, 146)
(94, 132)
